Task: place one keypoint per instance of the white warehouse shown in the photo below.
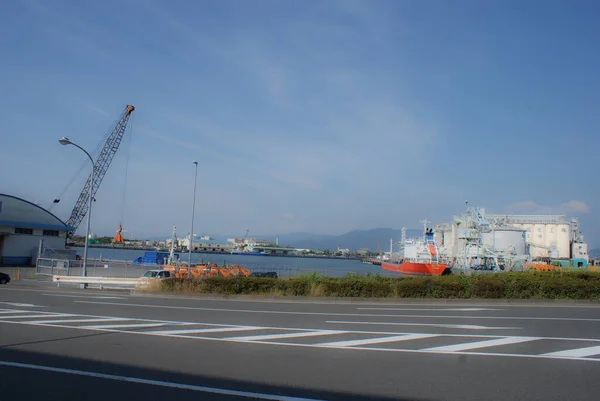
(22, 226)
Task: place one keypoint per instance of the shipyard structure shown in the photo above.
(477, 240)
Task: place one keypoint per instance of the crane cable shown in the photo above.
(94, 154)
(123, 192)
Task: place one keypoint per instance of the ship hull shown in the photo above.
(417, 269)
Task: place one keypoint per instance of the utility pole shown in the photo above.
(189, 273)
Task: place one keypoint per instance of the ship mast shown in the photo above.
(172, 250)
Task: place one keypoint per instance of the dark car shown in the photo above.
(4, 278)
(265, 274)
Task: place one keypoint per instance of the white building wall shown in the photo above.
(580, 251)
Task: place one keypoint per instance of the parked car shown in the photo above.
(4, 278)
(152, 275)
(157, 274)
(264, 275)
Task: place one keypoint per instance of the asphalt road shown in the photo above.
(84, 344)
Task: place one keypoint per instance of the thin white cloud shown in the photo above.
(98, 110)
(575, 207)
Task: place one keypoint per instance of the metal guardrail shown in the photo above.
(102, 281)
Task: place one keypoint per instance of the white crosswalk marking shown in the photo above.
(7, 311)
(481, 344)
(124, 326)
(355, 340)
(286, 335)
(17, 304)
(577, 353)
(33, 316)
(111, 319)
(199, 331)
(379, 340)
(449, 326)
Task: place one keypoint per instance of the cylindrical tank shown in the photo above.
(551, 235)
(563, 239)
(505, 239)
(448, 240)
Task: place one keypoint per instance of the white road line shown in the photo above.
(124, 326)
(6, 311)
(435, 309)
(82, 296)
(286, 335)
(112, 319)
(449, 326)
(35, 316)
(529, 318)
(197, 331)
(482, 344)
(180, 386)
(23, 305)
(379, 340)
(577, 353)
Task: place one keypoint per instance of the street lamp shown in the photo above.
(192, 231)
(66, 141)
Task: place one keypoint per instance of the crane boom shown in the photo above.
(100, 168)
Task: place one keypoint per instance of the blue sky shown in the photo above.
(317, 116)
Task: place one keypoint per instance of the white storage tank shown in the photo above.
(448, 240)
(505, 239)
(563, 240)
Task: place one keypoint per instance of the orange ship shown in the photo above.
(428, 264)
(417, 269)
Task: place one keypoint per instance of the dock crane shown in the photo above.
(100, 167)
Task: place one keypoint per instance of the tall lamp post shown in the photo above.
(192, 231)
(66, 141)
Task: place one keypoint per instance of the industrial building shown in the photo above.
(206, 246)
(22, 225)
(251, 241)
(510, 239)
(550, 236)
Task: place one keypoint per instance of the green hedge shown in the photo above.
(542, 285)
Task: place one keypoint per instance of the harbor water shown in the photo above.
(284, 266)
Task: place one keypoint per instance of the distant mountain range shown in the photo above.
(375, 239)
(353, 240)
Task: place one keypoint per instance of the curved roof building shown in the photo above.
(22, 225)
